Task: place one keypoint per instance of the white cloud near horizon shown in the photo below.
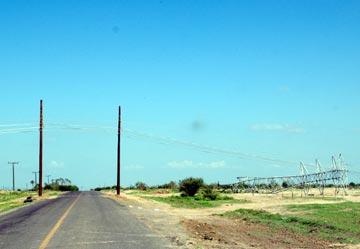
(277, 127)
(55, 164)
(190, 164)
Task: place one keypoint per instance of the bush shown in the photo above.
(48, 187)
(208, 193)
(141, 186)
(170, 185)
(190, 186)
(285, 184)
(68, 188)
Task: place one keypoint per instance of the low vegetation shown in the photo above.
(190, 186)
(13, 199)
(6, 196)
(195, 202)
(61, 184)
(338, 223)
(6, 206)
(194, 193)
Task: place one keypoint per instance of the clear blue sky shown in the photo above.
(275, 79)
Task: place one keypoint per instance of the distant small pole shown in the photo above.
(41, 148)
(48, 176)
(35, 172)
(13, 172)
(118, 154)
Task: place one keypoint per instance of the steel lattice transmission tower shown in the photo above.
(337, 175)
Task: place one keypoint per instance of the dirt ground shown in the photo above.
(198, 228)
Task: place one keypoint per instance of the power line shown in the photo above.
(160, 140)
(17, 130)
(169, 140)
(12, 125)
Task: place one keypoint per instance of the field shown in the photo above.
(14, 199)
(284, 220)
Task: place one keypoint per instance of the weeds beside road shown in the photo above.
(193, 202)
(337, 223)
(13, 199)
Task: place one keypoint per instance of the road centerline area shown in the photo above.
(57, 225)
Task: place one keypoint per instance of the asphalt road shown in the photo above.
(76, 220)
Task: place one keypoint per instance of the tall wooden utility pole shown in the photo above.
(40, 148)
(118, 154)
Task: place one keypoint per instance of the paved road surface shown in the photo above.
(76, 220)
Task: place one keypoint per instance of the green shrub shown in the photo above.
(48, 187)
(141, 186)
(190, 186)
(68, 188)
(208, 193)
(170, 185)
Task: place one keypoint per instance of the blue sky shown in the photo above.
(274, 79)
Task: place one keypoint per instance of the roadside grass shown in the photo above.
(12, 195)
(338, 223)
(341, 217)
(195, 202)
(51, 192)
(6, 206)
(14, 199)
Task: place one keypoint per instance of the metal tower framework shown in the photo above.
(337, 176)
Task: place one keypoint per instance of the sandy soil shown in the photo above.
(198, 228)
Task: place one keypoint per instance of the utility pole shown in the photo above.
(35, 172)
(13, 171)
(48, 178)
(118, 154)
(40, 147)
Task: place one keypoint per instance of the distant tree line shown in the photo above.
(354, 185)
(195, 187)
(104, 188)
(142, 186)
(60, 184)
(188, 187)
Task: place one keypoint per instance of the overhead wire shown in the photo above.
(18, 130)
(203, 148)
(149, 137)
(11, 125)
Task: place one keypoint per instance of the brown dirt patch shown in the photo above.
(198, 228)
(225, 233)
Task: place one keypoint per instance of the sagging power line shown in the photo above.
(160, 140)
